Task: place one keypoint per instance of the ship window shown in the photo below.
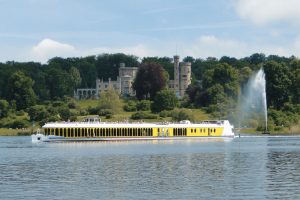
(214, 130)
(139, 131)
(72, 132)
(195, 130)
(192, 130)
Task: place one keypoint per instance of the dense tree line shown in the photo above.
(216, 83)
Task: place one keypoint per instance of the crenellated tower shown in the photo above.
(182, 76)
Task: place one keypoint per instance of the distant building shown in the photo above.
(123, 84)
(182, 77)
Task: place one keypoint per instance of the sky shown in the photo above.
(37, 30)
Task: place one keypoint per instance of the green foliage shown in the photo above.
(130, 106)
(143, 105)
(37, 113)
(281, 118)
(20, 124)
(59, 82)
(165, 62)
(75, 77)
(4, 108)
(278, 83)
(182, 114)
(20, 90)
(143, 115)
(216, 85)
(220, 86)
(149, 80)
(107, 65)
(72, 105)
(65, 113)
(164, 100)
(110, 99)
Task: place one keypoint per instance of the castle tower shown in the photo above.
(185, 77)
(176, 75)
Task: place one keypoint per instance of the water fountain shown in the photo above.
(254, 100)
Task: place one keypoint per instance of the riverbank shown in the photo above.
(294, 130)
(14, 132)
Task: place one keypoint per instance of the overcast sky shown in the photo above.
(36, 30)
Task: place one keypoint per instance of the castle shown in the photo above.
(123, 84)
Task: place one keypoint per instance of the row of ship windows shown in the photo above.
(123, 132)
(99, 132)
(210, 130)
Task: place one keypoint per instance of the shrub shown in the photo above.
(143, 115)
(182, 114)
(143, 105)
(58, 103)
(72, 105)
(73, 118)
(164, 100)
(65, 113)
(20, 124)
(20, 113)
(130, 106)
(105, 112)
(165, 113)
(83, 112)
(4, 108)
(37, 113)
(93, 110)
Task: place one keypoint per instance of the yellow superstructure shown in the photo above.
(137, 130)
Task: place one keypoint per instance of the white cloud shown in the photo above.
(262, 12)
(203, 47)
(49, 48)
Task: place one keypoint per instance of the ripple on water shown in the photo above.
(244, 168)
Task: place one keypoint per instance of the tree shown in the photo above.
(295, 69)
(110, 100)
(244, 75)
(59, 83)
(278, 83)
(149, 80)
(37, 113)
(20, 90)
(164, 100)
(107, 65)
(75, 77)
(4, 108)
(165, 62)
(296, 86)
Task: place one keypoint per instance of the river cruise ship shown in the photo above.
(92, 129)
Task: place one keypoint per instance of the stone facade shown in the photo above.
(123, 84)
(182, 77)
